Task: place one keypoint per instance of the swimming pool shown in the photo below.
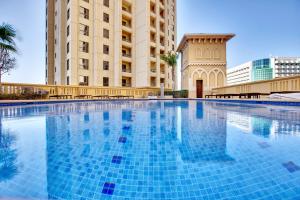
(150, 150)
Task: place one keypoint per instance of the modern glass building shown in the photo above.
(262, 70)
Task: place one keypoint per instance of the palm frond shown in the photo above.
(7, 36)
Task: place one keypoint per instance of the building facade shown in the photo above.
(240, 74)
(264, 69)
(204, 62)
(109, 42)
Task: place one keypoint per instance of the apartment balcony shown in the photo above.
(127, 57)
(126, 42)
(161, 5)
(153, 71)
(162, 47)
(152, 43)
(162, 27)
(152, 28)
(162, 34)
(126, 69)
(153, 81)
(153, 57)
(153, 15)
(126, 26)
(126, 12)
(161, 19)
(126, 81)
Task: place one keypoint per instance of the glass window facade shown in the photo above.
(262, 70)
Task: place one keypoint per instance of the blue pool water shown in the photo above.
(150, 150)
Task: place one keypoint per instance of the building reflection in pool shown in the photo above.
(203, 133)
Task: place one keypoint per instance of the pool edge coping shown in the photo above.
(5, 103)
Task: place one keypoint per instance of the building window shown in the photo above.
(106, 17)
(68, 14)
(84, 47)
(105, 49)
(84, 63)
(105, 81)
(84, 29)
(84, 12)
(68, 64)
(68, 47)
(68, 80)
(84, 80)
(105, 65)
(68, 30)
(106, 3)
(106, 33)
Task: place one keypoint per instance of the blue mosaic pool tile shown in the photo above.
(117, 159)
(263, 145)
(291, 166)
(108, 188)
(126, 127)
(204, 160)
(122, 139)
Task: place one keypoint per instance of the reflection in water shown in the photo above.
(271, 121)
(8, 155)
(261, 126)
(203, 133)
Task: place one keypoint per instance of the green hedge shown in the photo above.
(27, 94)
(177, 94)
(22, 96)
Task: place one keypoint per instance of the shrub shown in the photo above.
(26, 94)
(177, 94)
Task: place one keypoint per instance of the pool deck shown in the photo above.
(248, 101)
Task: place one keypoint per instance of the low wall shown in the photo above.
(51, 90)
(286, 84)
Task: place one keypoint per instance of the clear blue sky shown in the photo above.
(262, 28)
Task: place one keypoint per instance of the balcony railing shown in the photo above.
(126, 10)
(126, 40)
(153, 70)
(126, 70)
(126, 55)
(126, 25)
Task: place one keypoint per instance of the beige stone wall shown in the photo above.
(287, 84)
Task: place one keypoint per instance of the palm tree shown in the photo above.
(7, 36)
(171, 60)
(7, 46)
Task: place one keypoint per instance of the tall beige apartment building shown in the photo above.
(109, 42)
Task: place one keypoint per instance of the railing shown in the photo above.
(126, 55)
(126, 40)
(73, 91)
(126, 70)
(128, 10)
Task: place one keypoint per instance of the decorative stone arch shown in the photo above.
(201, 74)
(220, 79)
(214, 76)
